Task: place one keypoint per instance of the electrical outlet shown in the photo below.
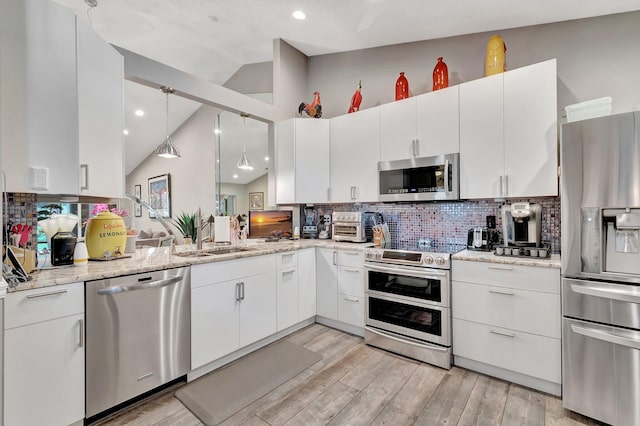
(39, 178)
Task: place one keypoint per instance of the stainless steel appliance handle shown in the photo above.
(607, 337)
(502, 333)
(446, 177)
(607, 293)
(412, 272)
(497, 268)
(84, 168)
(50, 293)
(506, 293)
(409, 342)
(144, 286)
(335, 255)
(81, 332)
(351, 299)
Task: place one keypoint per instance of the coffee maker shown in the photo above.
(521, 224)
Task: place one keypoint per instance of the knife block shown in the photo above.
(26, 257)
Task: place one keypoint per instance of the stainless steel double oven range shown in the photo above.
(408, 302)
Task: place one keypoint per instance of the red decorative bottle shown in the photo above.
(402, 87)
(440, 75)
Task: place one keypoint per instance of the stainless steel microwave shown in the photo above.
(420, 179)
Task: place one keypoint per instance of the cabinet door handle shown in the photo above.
(501, 192)
(351, 270)
(351, 299)
(237, 292)
(241, 290)
(506, 293)
(497, 268)
(506, 185)
(288, 254)
(335, 255)
(290, 271)
(51, 293)
(81, 332)
(502, 333)
(417, 145)
(84, 169)
(353, 192)
(328, 194)
(413, 147)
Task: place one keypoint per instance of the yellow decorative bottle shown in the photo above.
(106, 235)
(496, 52)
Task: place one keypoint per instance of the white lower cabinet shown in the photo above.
(287, 284)
(306, 283)
(341, 282)
(233, 304)
(44, 356)
(506, 322)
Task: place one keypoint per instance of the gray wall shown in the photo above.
(192, 175)
(290, 80)
(596, 57)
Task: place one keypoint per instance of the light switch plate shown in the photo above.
(39, 177)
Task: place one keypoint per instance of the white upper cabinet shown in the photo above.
(61, 103)
(531, 130)
(421, 126)
(100, 119)
(481, 138)
(508, 134)
(355, 153)
(302, 161)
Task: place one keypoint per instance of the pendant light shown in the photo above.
(244, 162)
(167, 149)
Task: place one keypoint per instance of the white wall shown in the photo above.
(192, 175)
(596, 57)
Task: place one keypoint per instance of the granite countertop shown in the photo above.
(487, 256)
(155, 259)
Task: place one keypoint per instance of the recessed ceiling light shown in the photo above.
(266, 158)
(235, 176)
(217, 131)
(139, 112)
(125, 131)
(299, 15)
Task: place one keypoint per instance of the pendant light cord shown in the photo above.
(167, 115)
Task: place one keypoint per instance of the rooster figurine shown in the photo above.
(314, 109)
(356, 99)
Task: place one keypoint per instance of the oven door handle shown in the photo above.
(446, 177)
(607, 337)
(407, 341)
(606, 293)
(405, 272)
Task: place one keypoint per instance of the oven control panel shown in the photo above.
(401, 257)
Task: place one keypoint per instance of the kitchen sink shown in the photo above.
(191, 254)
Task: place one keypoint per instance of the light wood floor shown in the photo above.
(356, 384)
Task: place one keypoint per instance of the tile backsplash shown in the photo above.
(20, 208)
(448, 222)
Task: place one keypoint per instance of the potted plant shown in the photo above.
(186, 224)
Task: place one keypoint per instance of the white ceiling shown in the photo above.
(214, 38)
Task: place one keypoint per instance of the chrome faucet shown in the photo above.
(176, 238)
(198, 228)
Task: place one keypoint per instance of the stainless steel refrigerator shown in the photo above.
(600, 202)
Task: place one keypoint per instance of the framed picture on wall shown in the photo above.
(160, 195)
(137, 208)
(256, 200)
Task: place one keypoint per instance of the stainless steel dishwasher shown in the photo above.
(138, 335)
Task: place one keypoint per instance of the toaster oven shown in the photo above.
(349, 226)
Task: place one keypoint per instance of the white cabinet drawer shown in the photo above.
(43, 304)
(353, 258)
(524, 353)
(287, 299)
(351, 280)
(523, 310)
(351, 309)
(286, 260)
(217, 272)
(503, 275)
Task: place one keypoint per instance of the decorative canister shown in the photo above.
(440, 75)
(496, 52)
(402, 87)
(106, 235)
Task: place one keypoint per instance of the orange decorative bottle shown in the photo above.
(496, 53)
(440, 75)
(402, 87)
